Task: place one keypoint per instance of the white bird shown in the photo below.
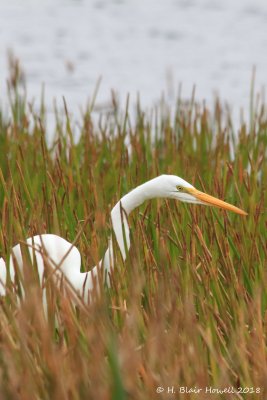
(65, 257)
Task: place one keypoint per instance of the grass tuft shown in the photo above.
(188, 307)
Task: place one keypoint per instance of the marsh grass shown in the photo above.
(188, 307)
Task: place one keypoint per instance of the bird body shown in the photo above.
(66, 258)
(56, 248)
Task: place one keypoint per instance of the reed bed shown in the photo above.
(188, 307)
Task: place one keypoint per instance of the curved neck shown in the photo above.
(121, 211)
(119, 218)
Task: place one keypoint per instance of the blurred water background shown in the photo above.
(146, 47)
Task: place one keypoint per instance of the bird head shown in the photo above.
(177, 188)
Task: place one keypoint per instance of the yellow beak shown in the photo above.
(210, 200)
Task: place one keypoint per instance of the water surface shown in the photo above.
(144, 47)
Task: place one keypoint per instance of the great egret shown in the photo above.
(63, 254)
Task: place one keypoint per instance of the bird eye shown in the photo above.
(179, 188)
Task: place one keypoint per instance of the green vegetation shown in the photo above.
(188, 307)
